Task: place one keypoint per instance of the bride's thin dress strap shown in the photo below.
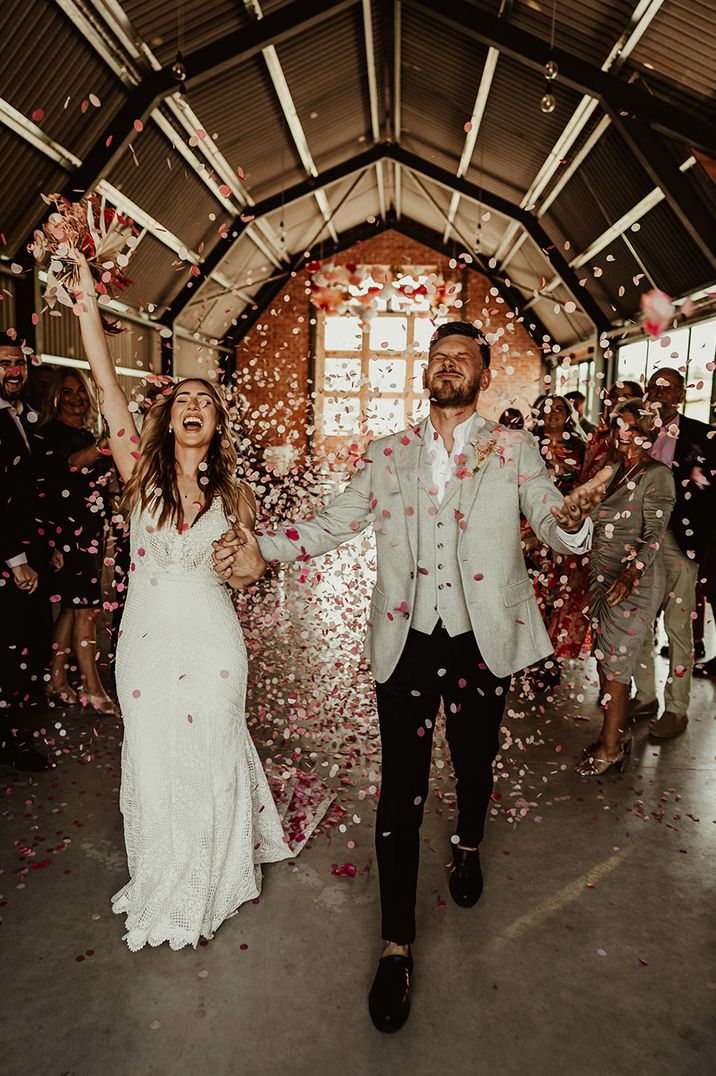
(248, 497)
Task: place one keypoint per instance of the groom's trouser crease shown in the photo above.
(431, 668)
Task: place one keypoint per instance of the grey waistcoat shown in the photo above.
(439, 592)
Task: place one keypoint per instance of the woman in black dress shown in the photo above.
(76, 470)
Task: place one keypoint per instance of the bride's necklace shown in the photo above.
(627, 474)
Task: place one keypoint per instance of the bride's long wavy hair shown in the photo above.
(153, 481)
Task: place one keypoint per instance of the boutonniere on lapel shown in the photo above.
(498, 440)
(482, 448)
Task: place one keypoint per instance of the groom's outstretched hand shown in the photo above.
(237, 557)
(579, 504)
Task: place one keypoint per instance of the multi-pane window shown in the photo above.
(691, 348)
(369, 374)
(578, 377)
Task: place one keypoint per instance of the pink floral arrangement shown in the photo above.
(98, 231)
(329, 288)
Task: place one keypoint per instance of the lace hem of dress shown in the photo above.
(301, 803)
(164, 931)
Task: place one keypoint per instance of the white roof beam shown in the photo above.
(35, 136)
(373, 97)
(397, 100)
(619, 228)
(478, 111)
(129, 67)
(291, 115)
(642, 16)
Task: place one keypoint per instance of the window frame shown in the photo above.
(412, 399)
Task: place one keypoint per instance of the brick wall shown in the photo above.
(274, 360)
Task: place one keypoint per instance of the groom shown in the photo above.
(452, 616)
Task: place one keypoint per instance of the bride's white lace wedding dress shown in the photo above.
(199, 818)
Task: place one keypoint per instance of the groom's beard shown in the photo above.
(451, 393)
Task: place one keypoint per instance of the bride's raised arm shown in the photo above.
(123, 437)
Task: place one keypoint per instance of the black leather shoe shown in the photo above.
(466, 877)
(389, 998)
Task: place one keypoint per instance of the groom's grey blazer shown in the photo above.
(492, 592)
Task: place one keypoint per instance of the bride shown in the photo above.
(199, 818)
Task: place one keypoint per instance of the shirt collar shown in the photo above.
(668, 427)
(461, 433)
(17, 407)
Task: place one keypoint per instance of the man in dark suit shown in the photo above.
(688, 447)
(26, 552)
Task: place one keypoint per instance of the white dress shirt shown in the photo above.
(444, 464)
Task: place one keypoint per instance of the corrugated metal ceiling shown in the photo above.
(157, 178)
(168, 25)
(609, 183)
(239, 109)
(326, 74)
(588, 30)
(25, 174)
(47, 66)
(437, 102)
(677, 54)
(516, 136)
(46, 61)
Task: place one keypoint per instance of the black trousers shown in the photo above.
(25, 649)
(431, 668)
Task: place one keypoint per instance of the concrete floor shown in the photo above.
(590, 952)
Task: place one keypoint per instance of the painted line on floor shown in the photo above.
(564, 896)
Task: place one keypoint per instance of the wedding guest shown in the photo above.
(578, 401)
(597, 447)
(76, 468)
(688, 448)
(453, 615)
(27, 552)
(561, 580)
(512, 419)
(533, 417)
(627, 575)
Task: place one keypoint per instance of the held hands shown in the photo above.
(579, 504)
(25, 578)
(57, 560)
(237, 558)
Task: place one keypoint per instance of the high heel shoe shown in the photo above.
(62, 693)
(593, 765)
(100, 704)
(592, 748)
